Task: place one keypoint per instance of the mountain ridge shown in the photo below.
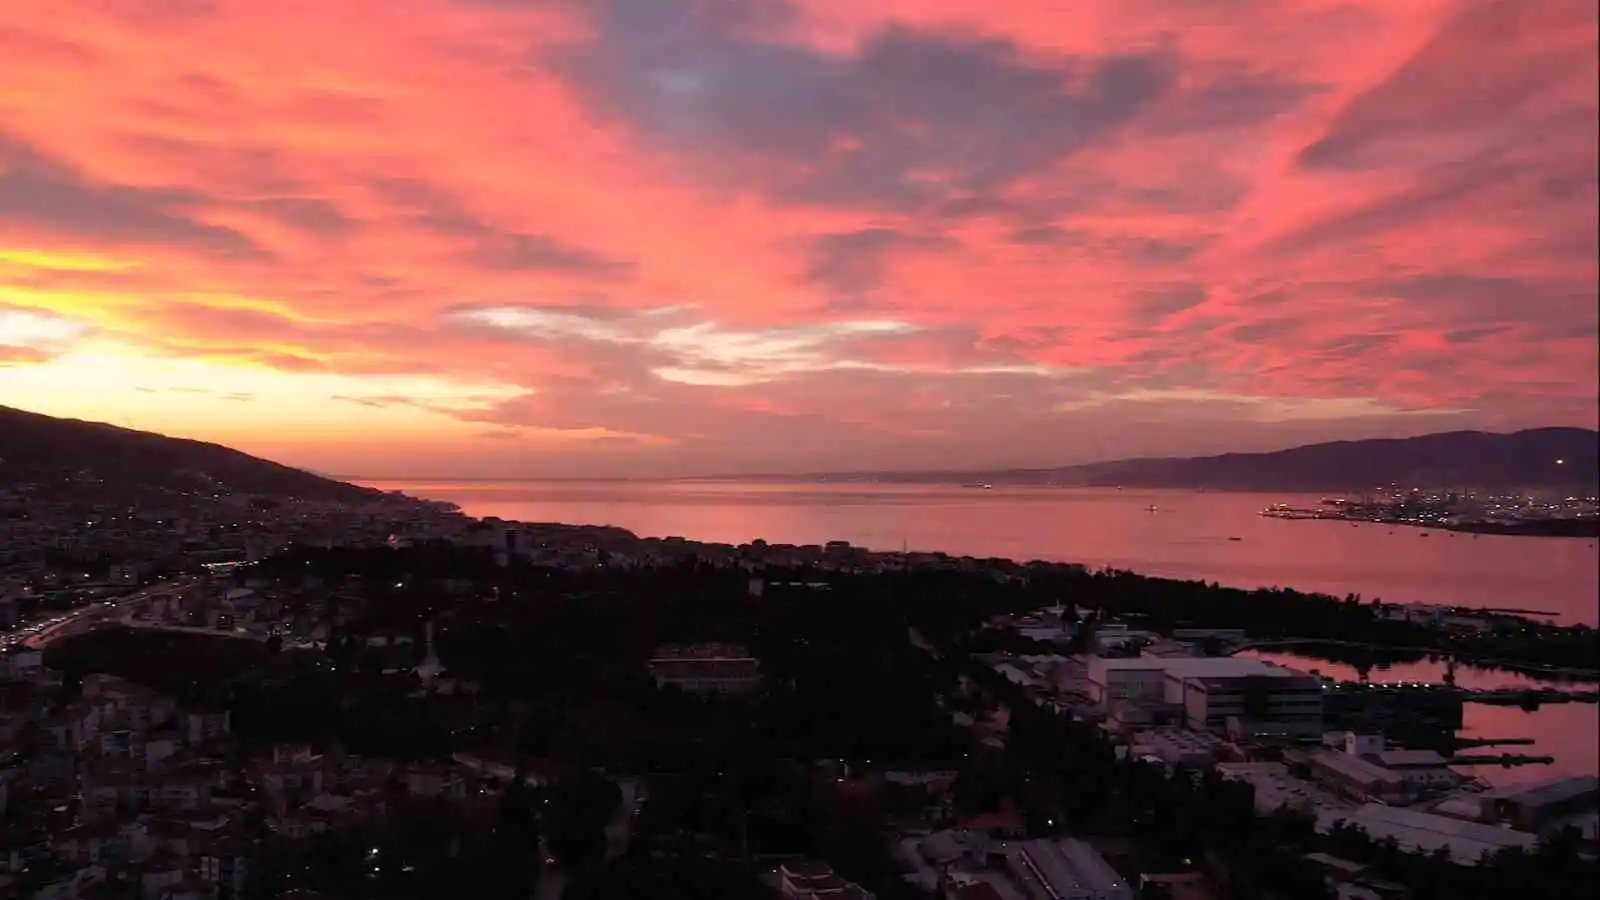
(1479, 459)
(48, 450)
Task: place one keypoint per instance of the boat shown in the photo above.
(980, 485)
(1235, 539)
(1152, 508)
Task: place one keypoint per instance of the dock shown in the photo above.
(1469, 742)
(1533, 696)
(1505, 759)
(1506, 610)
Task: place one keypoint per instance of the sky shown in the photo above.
(486, 238)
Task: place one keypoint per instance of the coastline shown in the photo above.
(1495, 637)
(1554, 674)
(1190, 538)
(1568, 529)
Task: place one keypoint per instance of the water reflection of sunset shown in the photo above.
(1570, 732)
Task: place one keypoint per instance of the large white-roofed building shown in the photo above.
(1420, 832)
(1535, 806)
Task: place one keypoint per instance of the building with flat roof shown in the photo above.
(1281, 702)
(1178, 746)
(968, 863)
(1211, 690)
(810, 879)
(1354, 776)
(721, 669)
(1420, 832)
(1275, 788)
(1145, 677)
(1534, 807)
(1065, 870)
(1410, 713)
(1358, 765)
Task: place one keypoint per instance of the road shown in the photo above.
(38, 635)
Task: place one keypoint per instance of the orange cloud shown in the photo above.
(674, 236)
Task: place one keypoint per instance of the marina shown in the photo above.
(1414, 706)
(1454, 512)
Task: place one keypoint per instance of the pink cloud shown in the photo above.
(813, 232)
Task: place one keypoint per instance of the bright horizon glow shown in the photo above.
(663, 237)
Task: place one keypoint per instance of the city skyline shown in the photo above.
(667, 237)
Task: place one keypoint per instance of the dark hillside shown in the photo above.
(48, 451)
(1544, 457)
(1540, 458)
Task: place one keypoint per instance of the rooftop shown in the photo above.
(1355, 767)
(1186, 666)
(1554, 790)
(1411, 759)
(1468, 842)
(1073, 865)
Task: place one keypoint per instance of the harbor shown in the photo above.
(1456, 512)
(1481, 723)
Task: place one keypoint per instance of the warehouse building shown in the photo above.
(1535, 807)
(1420, 832)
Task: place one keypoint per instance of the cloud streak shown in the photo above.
(677, 236)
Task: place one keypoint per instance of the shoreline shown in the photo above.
(1441, 637)
(1485, 663)
(1560, 529)
(1147, 568)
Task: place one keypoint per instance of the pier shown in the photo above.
(1505, 759)
(1470, 742)
(1507, 611)
(1470, 659)
(1533, 696)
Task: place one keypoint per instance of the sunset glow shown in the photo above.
(396, 238)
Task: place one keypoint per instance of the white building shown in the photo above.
(1211, 690)
(1177, 746)
(1541, 804)
(721, 669)
(1420, 832)
(814, 880)
(961, 864)
(1281, 702)
(1145, 677)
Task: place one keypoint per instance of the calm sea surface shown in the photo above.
(1187, 536)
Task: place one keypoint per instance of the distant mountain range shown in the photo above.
(46, 450)
(1540, 458)
(63, 453)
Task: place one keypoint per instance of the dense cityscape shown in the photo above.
(213, 694)
(799, 450)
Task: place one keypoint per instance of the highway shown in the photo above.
(41, 634)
